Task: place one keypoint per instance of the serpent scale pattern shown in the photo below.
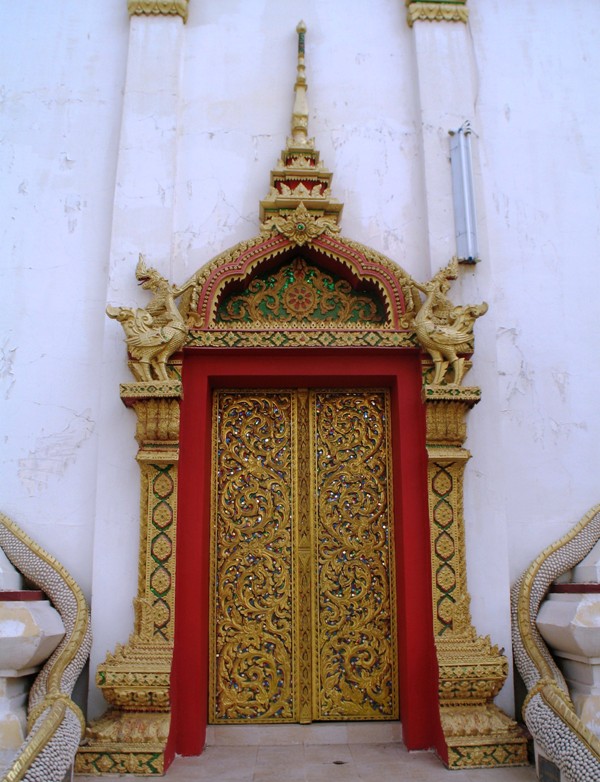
(55, 722)
(548, 711)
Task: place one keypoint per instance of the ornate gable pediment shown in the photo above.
(327, 291)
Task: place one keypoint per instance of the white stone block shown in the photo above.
(570, 625)
(29, 633)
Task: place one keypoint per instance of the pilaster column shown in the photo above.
(446, 94)
(135, 678)
(471, 669)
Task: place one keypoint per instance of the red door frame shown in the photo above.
(400, 371)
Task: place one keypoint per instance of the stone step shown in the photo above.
(387, 732)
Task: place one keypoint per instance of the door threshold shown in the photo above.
(376, 732)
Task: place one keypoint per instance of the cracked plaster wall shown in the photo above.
(61, 73)
(539, 106)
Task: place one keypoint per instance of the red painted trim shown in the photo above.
(21, 595)
(400, 370)
(239, 267)
(327, 247)
(576, 589)
(365, 269)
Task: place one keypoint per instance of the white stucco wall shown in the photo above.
(62, 66)
(72, 228)
(539, 107)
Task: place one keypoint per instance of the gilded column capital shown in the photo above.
(158, 8)
(436, 11)
(156, 405)
(445, 409)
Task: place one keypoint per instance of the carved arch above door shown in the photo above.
(329, 260)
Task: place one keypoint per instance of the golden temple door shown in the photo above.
(302, 568)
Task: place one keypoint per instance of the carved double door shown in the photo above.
(302, 566)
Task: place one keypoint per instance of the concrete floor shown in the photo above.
(342, 752)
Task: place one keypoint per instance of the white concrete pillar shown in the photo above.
(447, 91)
(143, 217)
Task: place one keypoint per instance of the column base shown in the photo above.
(482, 736)
(125, 743)
(477, 733)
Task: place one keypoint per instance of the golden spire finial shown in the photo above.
(300, 113)
(300, 183)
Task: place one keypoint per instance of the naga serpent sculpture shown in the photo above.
(55, 723)
(548, 710)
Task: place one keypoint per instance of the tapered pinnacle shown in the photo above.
(300, 112)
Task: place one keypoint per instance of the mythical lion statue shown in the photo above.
(154, 333)
(443, 329)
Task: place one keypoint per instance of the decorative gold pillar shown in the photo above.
(135, 680)
(471, 670)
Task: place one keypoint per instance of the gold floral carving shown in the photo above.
(304, 540)
(300, 226)
(254, 613)
(299, 292)
(436, 11)
(354, 623)
(308, 635)
(158, 7)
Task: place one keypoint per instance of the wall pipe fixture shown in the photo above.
(465, 220)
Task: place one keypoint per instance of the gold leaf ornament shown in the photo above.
(300, 226)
